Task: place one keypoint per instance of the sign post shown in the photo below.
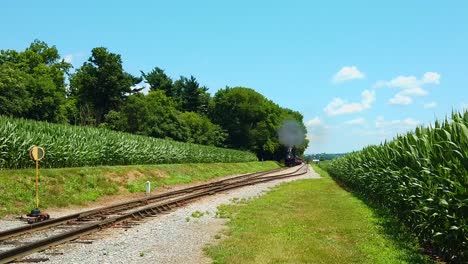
(36, 153)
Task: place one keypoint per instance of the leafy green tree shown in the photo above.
(201, 130)
(252, 121)
(238, 110)
(158, 80)
(15, 100)
(115, 120)
(101, 84)
(153, 115)
(190, 96)
(40, 82)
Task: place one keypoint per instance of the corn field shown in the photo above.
(71, 146)
(422, 178)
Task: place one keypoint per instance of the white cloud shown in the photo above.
(74, 57)
(347, 73)
(357, 121)
(339, 107)
(411, 122)
(314, 122)
(68, 58)
(400, 99)
(410, 86)
(381, 123)
(431, 78)
(317, 133)
(414, 91)
(404, 82)
(430, 105)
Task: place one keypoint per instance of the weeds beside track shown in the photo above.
(96, 219)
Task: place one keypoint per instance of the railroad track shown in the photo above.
(84, 223)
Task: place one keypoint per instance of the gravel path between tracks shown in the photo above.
(176, 237)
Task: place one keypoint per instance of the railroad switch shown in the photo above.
(36, 216)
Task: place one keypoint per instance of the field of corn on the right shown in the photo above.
(422, 178)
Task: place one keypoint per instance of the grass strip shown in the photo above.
(70, 186)
(311, 221)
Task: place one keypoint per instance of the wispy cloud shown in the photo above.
(400, 99)
(347, 73)
(431, 77)
(318, 133)
(73, 57)
(357, 121)
(339, 106)
(410, 87)
(314, 122)
(380, 122)
(68, 58)
(430, 105)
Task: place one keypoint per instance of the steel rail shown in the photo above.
(119, 206)
(152, 209)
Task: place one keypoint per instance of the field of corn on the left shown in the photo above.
(77, 146)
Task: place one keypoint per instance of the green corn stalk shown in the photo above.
(422, 177)
(71, 146)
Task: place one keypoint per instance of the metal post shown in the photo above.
(37, 184)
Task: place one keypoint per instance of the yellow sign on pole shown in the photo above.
(37, 153)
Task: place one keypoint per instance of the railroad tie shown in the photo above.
(149, 212)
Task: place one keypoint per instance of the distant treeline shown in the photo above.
(38, 84)
(323, 156)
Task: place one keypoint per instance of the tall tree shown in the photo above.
(15, 100)
(158, 80)
(101, 84)
(40, 82)
(244, 107)
(191, 96)
(252, 121)
(201, 130)
(153, 115)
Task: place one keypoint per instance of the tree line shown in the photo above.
(38, 84)
(324, 156)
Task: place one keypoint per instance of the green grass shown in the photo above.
(421, 178)
(197, 214)
(311, 221)
(67, 186)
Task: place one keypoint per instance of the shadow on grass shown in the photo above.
(397, 232)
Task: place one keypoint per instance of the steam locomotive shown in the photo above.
(291, 159)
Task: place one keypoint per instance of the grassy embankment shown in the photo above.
(67, 186)
(421, 178)
(311, 221)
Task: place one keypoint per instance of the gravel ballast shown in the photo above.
(175, 237)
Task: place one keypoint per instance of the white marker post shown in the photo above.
(148, 187)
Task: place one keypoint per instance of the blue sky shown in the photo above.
(359, 71)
